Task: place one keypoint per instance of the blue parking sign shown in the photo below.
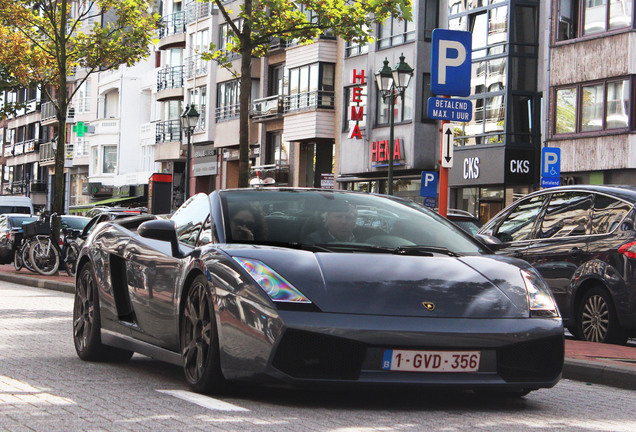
(428, 188)
(551, 162)
(451, 62)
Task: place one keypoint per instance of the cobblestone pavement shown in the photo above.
(45, 387)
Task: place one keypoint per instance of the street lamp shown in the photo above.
(392, 83)
(189, 120)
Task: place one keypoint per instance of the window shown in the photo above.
(109, 161)
(518, 224)
(598, 16)
(199, 97)
(355, 48)
(592, 107)
(83, 98)
(226, 42)
(311, 86)
(190, 217)
(395, 32)
(607, 214)
(227, 105)
(403, 107)
(567, 214)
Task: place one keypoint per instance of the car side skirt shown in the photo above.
(128, 343)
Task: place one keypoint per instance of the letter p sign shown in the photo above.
(451, 62)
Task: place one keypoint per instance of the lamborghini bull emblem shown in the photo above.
(428, 305)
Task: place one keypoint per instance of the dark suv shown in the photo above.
(582, 240)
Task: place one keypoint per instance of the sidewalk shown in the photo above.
(611, 365)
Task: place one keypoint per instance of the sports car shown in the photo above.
(288, 286)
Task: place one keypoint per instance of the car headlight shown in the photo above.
(540, 297)
(276, 287)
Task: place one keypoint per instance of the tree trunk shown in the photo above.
(244, 100)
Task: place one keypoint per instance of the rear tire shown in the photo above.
(17, 260)
(597, 320)
(70, 261)
(26, 259)
(199, 340)
(44, 257)
(87, 322)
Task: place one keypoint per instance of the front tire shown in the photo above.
(199, 340)
(70, 261)
(87, 324)
(44, 257)
(597, 320)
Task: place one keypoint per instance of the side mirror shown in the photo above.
(491, 241)
(162, 230)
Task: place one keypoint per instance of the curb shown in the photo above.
(609, 375)
(66, 287)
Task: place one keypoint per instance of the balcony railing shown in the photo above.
(227, 112)
(48, 112)
(169, 130)
(172, 24)
(171, 77)
(309, 100)
(268, 107)
(196, 10)
(47, 152)
(195, 66)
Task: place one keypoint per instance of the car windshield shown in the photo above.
(17, 221)
(338, 220)
(77, 223)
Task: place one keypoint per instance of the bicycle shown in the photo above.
(45, 253)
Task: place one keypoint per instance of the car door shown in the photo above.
(560, 243)
(154, 275)
(515, 227)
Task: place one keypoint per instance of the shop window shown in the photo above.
(592, 107)
(598, 16)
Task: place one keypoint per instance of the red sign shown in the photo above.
(357, 112)
(380, 151)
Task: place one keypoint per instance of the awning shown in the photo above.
(82, 208)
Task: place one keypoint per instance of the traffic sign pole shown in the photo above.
(443, 177)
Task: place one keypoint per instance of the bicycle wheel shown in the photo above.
(44, 257)
(26, 258)
(17, 260)
(70, 260)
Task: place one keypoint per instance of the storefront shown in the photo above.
(485, 180)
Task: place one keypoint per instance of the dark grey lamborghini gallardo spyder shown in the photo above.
(315, 287)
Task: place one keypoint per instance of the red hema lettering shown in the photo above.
(355, 76)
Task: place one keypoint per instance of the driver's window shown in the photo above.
(518, 224)
(189, 218)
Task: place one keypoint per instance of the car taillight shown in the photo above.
(628, 249)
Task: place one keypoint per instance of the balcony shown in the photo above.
(169, 130)
(227, 112)
(195, 10)
(170, 83)
(195, 66)
(47, 153)
(271, 107)
(49, 113)
(172, 31)
(310, 101)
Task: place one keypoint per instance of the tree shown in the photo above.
(259, 21)
(45, 41)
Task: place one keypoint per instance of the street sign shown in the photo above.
(451, 62)
(550, 167)
(448, 139)
(455, 110)
(428, 187)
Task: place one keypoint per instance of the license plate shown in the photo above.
(431, 361)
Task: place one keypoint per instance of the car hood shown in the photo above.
(397, 285)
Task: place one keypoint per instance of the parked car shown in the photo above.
(465, 220)
(105, 209)
(239, 285)
(10, 234)
(74, 222)
(16, 204)
(582, 239)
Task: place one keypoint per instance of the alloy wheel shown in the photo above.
(196, 332)
(84, 313)
(595, 319)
